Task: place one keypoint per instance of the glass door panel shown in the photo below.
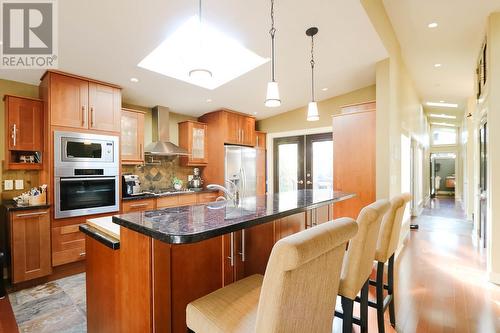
(288, 164)
(319, 161)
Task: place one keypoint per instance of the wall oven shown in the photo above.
(86, 174)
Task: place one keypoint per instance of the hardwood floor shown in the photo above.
(441, 283)
(7, 320)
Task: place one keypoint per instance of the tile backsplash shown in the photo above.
(159, 176)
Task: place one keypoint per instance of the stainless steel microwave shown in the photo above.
(76, 148)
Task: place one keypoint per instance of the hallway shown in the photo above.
(442, 284)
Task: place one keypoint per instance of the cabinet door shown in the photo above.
(198, 146)
(69, 99)
(229, 257)
(247, 136)
(68, 244)
(25, 124)
(253, 248)
(30, 243)
(233, 128)
(260, 140)
(138, 205)
(105, 107)
(289, 225)
(132, 137)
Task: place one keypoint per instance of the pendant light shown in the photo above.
(200, 73)
(312, 108)
(273, 93)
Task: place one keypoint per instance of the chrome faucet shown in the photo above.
(234, 196)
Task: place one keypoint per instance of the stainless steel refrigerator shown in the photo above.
(240, 169)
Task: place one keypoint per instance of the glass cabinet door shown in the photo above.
(132, 128)
(198, 148)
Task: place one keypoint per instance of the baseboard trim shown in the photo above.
(494, 277)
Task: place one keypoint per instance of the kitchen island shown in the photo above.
(166, 258)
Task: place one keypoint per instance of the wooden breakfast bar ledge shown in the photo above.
(144, 268)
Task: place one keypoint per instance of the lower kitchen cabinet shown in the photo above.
(130, 206)
(289, 225)
(318, 215)
(30, 244)
(68, 244)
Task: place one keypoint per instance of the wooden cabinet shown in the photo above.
(354, 158)
(246, 252)
(23, 131)
(82, 103)
(289, 225)
(318, 215)
(68, 244)
(260, 140)
(206, 197)
(132, 137)
(247, 127)
(140, 205)
(193, 138)
(30, 244)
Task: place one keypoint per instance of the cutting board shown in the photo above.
(105, 225)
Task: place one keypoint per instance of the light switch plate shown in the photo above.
(19, 183)
(8, 185)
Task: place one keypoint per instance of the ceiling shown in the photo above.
(455, 44)
(106, 40)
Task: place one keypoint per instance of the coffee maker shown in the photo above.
(195, 182)
(131, 185)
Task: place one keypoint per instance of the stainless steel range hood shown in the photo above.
(161, 145)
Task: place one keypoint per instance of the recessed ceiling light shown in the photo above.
(432, 25)
(324, 89)
(437, 65)
(177, 55)
(255, 113)
(443, 105)
(443, 124)
(209, 100)
(444, 116)
(134, 79)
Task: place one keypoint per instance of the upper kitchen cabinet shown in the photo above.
(193, 138)
(237, 128)
(260, 140)
(82, 103)
(132, 136)
(24, 132)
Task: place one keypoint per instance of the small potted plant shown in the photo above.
(177, 183)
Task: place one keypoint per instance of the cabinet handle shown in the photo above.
(82, 254)
(92, 117)
(257, 141)
(139, 205)
(242, 136)
(314, 218)
(141, 153)
(14, 135)
(84, 115)
(231, 250)
(31, 214)
(242, 253)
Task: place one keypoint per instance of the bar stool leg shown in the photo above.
(347, 307)
(390, 283)
(364, 307)
(380, 297)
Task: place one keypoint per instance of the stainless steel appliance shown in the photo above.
(86, 174)
(196, 183)
(240, 169)
(131, 185)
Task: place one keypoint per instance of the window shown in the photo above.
(444, 136)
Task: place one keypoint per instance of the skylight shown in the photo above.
(197, 45)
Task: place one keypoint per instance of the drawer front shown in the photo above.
(68, 245)
(187, 199)
(138, 205)
(168, 201)
(207, 197)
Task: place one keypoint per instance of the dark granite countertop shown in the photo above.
(151, 195)
(10, 205)
(190, 224)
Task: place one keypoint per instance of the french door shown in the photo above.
(303, 162)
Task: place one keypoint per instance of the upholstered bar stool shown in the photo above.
(387, 244)
(296, 294)
(358, 264)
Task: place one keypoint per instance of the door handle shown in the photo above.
(242, 253)
(139, 205)
(300, 182)
(308, 182)
(14, 135)
(92, 116)
(231, 250)
(31, 214)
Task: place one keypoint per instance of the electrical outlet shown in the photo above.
(8, 185)
(19, 183)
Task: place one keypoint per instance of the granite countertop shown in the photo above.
(10, 205)
(152, 195)
(190, 224)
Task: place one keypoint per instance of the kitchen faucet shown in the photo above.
(233, 196)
